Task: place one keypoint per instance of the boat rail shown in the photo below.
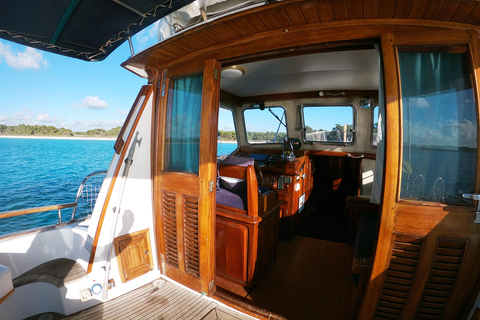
(85, 191)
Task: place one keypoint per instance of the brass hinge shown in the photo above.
(215, 73)
(211, 285)
(162, 261)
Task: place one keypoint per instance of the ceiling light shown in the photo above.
(233, 72)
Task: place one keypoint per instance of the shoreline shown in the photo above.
(58, 138)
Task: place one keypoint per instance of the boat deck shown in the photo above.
(309, 280)
(166, 301)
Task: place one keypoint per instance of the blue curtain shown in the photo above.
(183, 124)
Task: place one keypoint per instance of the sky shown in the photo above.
(41, 88)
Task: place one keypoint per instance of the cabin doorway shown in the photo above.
(310, 276)
(184, 178)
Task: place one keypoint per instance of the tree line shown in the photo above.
(51, 131)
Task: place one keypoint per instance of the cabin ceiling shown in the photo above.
(342, 70)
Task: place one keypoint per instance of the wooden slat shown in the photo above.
(167, 301)
(418, 9)
(464, 10)
(309, 12)
(295, 14)
(325, 11)
(433, 9)
(339, 9)
(402, 9)
(370, 9)
(448, 10)
(355, 9)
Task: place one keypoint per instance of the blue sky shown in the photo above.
(40, 88)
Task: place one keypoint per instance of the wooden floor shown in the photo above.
(166, 301)
(309, 280)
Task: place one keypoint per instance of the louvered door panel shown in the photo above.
(441, 280)
(170, 228)
(399, 277)
(190, 218)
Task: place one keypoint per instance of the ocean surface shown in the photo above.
(42, 172)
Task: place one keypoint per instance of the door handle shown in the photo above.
(473, 196)
(476, 197)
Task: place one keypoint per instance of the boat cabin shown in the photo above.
(302, 160)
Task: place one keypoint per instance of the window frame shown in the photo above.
(354, 123)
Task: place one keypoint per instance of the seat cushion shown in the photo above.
(236, 200)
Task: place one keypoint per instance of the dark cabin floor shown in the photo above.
(309, 280)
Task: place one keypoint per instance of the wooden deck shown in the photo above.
(166, 301)
(309, 280)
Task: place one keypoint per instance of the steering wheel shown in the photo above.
(258, 173)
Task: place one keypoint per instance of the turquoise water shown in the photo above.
(41, 172)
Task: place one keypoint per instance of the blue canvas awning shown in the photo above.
(83, 29)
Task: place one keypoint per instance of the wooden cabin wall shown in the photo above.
(298, 27)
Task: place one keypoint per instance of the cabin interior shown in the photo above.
(314, 165)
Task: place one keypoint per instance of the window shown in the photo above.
(265, 125)
(329, 124)
(182, 143)
(227, 135)
(439, 124)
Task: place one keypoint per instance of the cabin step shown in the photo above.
(58, 272)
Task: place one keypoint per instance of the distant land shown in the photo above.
(51, 131)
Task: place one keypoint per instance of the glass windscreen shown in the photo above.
(331, 124)
(439, 125)
(265, 125)
(227, 136)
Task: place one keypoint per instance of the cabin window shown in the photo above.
(265, 124)
(328, 124)
(227, 135)
(182, 135)
(439, 124)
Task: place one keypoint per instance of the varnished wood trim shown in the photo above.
(119, 143)
(16, 213)
(207, 173)
(114, 178)
(160, 107)
(6, 296)
(390, 178)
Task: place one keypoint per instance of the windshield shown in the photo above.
(265, 125)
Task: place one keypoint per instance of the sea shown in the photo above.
(41, 172)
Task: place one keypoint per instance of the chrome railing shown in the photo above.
(86, 196)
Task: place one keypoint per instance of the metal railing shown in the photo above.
(86, 195)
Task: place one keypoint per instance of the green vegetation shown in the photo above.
(51, 131)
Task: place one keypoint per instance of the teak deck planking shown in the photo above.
(167, 301)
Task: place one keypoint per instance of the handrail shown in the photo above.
(59, 207)
(21, 212)
(80, 189)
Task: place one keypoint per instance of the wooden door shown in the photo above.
(428, 253)
(184, 174)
